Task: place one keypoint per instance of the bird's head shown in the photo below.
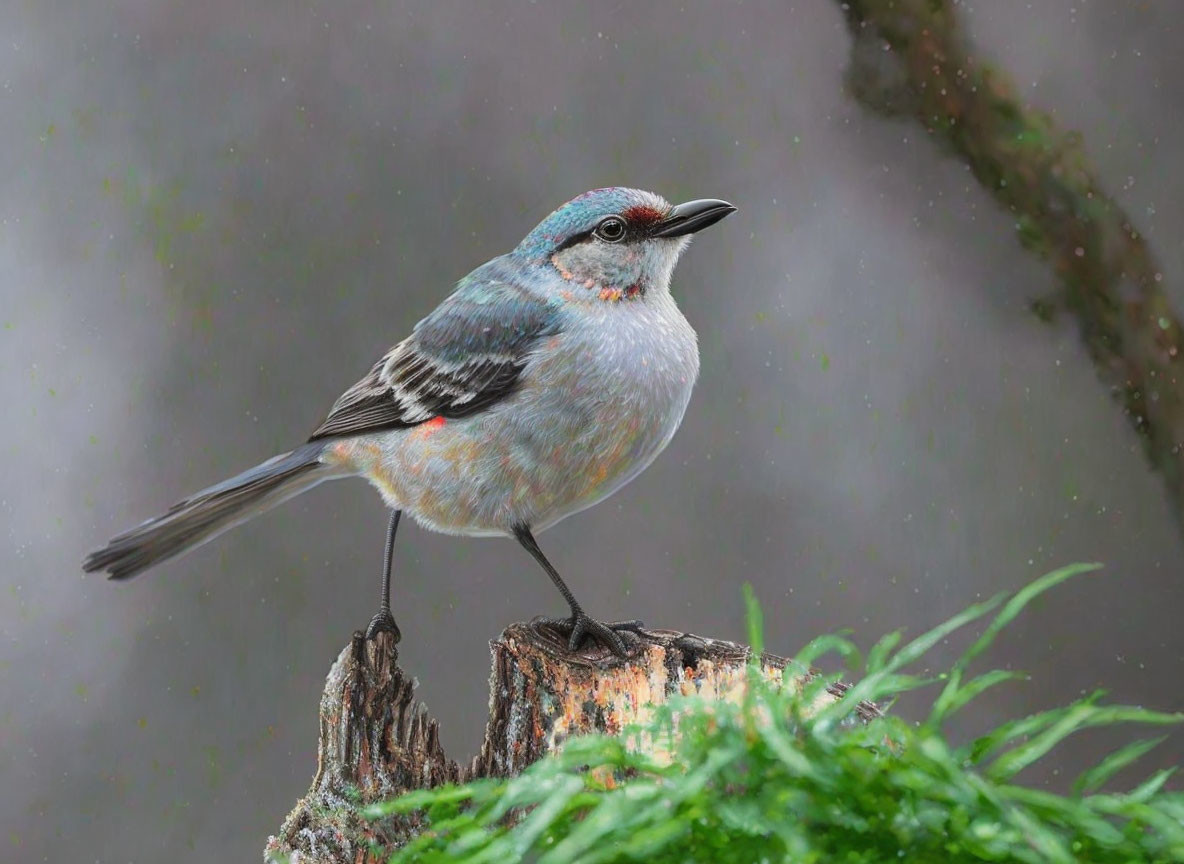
(618, 243)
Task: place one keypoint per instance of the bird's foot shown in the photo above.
(383, 622)
(580, 627)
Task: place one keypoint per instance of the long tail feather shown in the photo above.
(207, 514)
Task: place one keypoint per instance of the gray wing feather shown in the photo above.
(465, 356)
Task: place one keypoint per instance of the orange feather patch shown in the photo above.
(428, 427)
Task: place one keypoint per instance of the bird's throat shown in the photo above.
(598, 288)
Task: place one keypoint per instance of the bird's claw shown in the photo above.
(579, 626)
(383, 622)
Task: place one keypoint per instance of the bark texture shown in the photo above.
(910, 58)
(377, 741)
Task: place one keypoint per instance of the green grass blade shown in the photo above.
(542, 817)
(1096, 777)
(923, 643)
(831, 643)
(1018, 602)
(878, 685)
(1079, 716)
(1012, 730)
(882, 650)
(755, 621)
(1149, 787)
(418, 800)
(956, 696)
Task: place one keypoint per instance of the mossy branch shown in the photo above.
(911, 58)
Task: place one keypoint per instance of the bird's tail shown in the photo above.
(207, 514)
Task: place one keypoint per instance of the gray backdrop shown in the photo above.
(213, 220)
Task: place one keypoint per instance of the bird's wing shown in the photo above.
(465, 356)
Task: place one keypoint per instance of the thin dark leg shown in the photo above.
(579, 625)
(531, 545)
(384, 621)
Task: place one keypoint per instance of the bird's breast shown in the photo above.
(595, 405)
(608, 399)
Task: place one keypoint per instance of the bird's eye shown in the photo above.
(611, 229)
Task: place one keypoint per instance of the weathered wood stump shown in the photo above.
(377, 741)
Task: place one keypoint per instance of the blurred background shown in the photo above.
(213, 219)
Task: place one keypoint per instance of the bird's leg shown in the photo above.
(384, 621)
(579, 625)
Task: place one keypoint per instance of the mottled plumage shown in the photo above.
(547, 380)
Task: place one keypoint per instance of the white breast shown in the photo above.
(622, 381)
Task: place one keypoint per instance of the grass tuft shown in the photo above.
(769, 781)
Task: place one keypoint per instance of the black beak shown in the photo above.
(691, 217)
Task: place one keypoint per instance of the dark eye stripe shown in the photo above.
(573, 240)
(635, 228)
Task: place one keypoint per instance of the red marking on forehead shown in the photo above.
(435, 423)
(643, 214)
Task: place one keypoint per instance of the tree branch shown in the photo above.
(1110, 279)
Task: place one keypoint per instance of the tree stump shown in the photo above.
(377, 740)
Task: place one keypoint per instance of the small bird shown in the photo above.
(551, 377)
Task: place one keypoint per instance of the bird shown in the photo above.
(548, 379)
